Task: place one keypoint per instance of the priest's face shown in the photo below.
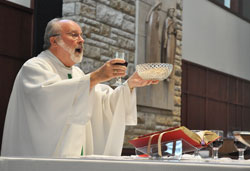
(75, 54)
(71, 42)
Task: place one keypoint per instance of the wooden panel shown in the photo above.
(240, 92)
(184, 78)
(222, 103)
(183, 95)
(232, 118)
(232, 88)
(196, 82)
(216, 85)
(245, 119)
(246, 97)
(16, 34)
(184, 109)
(196, 112)
(216, 115)
(238, 120)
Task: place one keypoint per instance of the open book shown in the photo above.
(198, 140)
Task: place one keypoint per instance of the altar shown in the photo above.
(123, 163)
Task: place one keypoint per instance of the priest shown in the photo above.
(55, 110)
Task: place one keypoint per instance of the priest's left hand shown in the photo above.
(136, 81)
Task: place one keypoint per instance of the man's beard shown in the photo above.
(75, 56)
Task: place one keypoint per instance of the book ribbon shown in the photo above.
(159, 143)
(149, 143)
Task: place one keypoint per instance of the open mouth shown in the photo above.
(78, 50)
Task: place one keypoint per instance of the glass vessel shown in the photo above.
(241, 139)
(217, 143)
(120, 55)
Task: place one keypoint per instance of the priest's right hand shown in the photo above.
(108, 71)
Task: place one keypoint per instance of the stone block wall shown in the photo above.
(111, 25)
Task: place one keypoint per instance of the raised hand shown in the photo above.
(108, 71)
(136, 81)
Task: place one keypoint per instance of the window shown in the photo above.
(227, 3)
(240, 8)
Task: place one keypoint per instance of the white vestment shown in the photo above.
(50, 115)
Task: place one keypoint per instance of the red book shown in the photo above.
(190, 138)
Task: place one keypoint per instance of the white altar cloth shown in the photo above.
(105, 163)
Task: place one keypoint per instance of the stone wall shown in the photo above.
(111, 25)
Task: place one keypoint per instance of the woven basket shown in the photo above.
(154, 71)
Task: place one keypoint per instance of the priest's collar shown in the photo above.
(55, 59)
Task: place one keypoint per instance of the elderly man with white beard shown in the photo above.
(55, 110)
